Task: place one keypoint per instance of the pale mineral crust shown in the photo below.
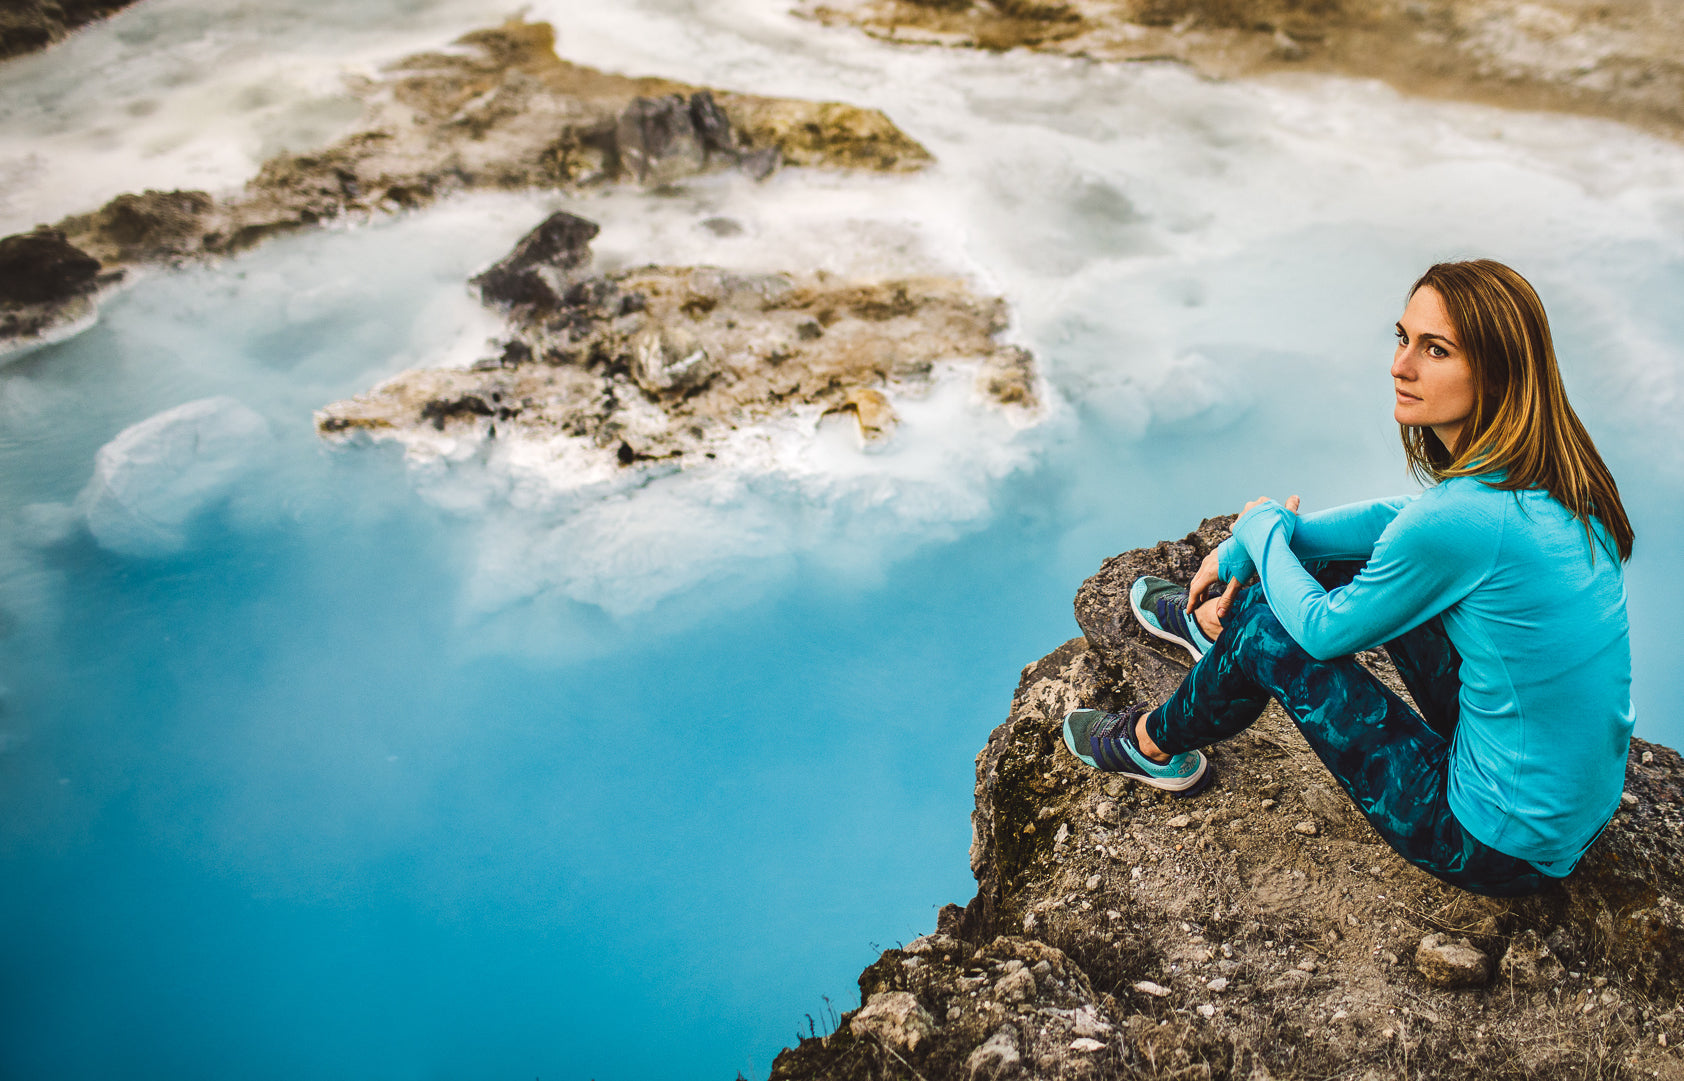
(1212, 938)
(1611, 58)
(665, 362)
(499, 111)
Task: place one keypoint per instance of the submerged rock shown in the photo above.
(1617, 59)
(502, 111)
(157, 476)
(1210, 938)
(667, 362)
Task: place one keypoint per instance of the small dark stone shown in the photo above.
(722, 226)
(42, 267)
(561, 242)
(713, 127)
(626, 455)
(439, 410)
(809, 331)
(651, 129)
(760, 164)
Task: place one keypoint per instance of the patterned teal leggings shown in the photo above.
(1393, 762)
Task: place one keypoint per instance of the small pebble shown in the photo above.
(1306, 965)
(1156, 990)
(1648, 757)
(1340, 1015)
(1627, 800)
(954, 1013)
(1179, 822)
(1218, 984)
(1086, 1043)
(1306, 827)
(1093, 882)
(1207, 1011)
(1268, 805)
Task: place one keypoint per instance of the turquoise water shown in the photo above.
(400, 770)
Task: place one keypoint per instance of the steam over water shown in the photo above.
(328, 764)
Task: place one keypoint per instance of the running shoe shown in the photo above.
(1106, 742)
(1161, 607)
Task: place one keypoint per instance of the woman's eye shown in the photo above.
(1437, 351)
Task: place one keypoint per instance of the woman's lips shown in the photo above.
(1404, 399)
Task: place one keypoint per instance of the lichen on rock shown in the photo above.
(660, 362)
(1211, 938)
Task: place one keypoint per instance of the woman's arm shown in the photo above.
(1345, 532)
(1433, 553)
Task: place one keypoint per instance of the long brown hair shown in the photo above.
(1522, 432)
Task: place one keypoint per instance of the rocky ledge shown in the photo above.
(1261, 929)
(1616, 59)
(499, 111)
(669, 362)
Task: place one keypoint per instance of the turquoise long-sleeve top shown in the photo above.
(1537, 613)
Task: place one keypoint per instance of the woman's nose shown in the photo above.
(1401, 366)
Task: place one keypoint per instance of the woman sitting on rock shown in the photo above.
(1498, 593)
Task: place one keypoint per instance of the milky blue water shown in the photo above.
(398, 770)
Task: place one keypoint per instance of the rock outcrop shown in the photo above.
(28, 25)
(1617, 59)
(667, 362)
(501, 111)
(45, 282)
(1261, 929)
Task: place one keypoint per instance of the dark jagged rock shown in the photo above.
(534, 273)
(1261, 929)
(46, 285)
(41, 267)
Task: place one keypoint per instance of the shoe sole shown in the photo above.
(1179, 786)
(1159, 632)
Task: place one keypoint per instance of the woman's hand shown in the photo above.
(1210, 616)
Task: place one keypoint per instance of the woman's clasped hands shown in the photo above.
(1210, 614)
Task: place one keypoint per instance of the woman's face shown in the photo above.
(1430, 373)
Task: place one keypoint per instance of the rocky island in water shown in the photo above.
(597, 371)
